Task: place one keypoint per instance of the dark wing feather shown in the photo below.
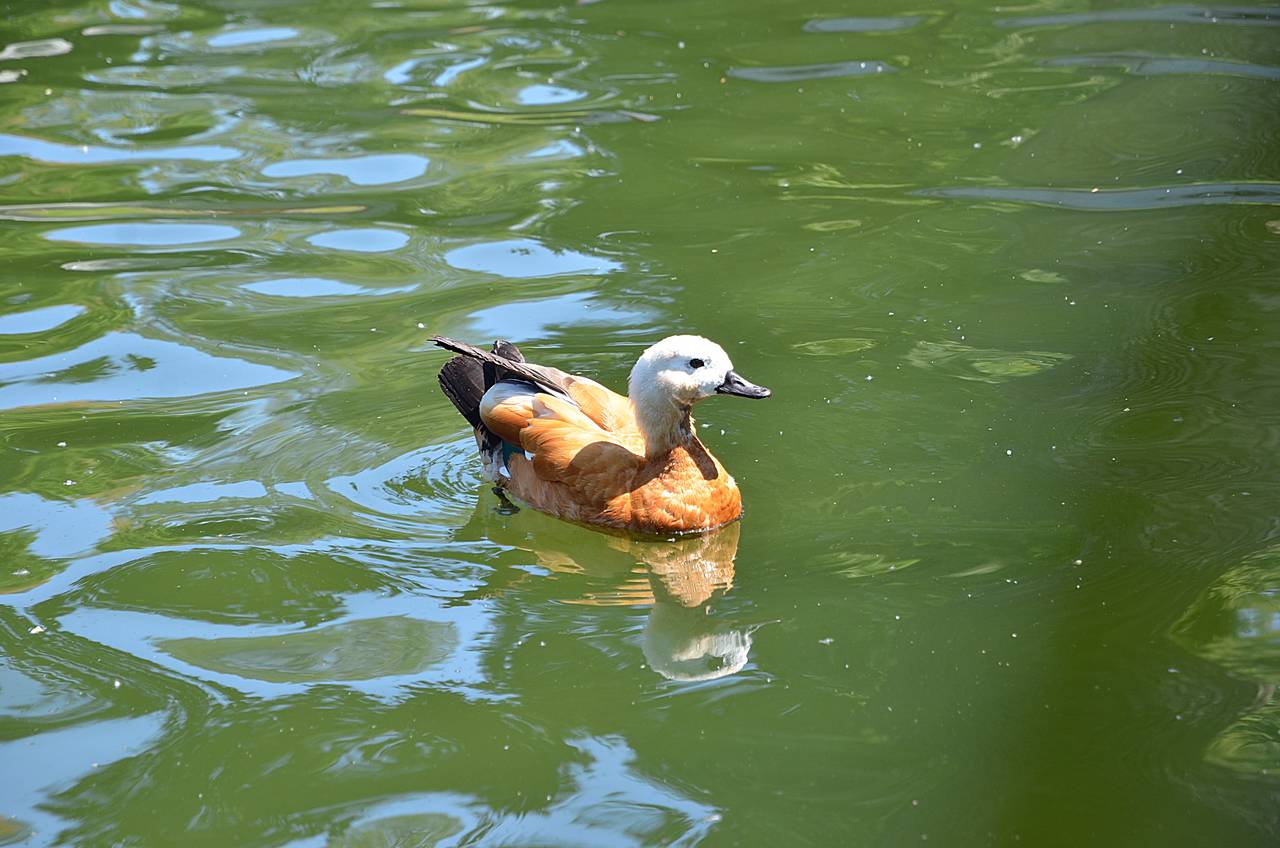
(505, 368)
(506, 349)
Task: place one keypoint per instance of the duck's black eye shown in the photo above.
(696, 363)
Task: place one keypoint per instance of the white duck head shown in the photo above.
(673, 375)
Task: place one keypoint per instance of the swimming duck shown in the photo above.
(568, 446)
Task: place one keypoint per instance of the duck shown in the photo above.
(568, 446)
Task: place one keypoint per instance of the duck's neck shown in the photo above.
(665, 424)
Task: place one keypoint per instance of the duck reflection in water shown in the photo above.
(680, 578)
(682, 640)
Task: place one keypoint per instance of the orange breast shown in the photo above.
(687, 491)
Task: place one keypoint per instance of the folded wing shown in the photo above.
(561, 442)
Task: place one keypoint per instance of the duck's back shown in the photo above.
(608, 409)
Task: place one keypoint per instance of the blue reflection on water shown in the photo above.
(90, 154)
(304, 287)
(604, 798)
(531, 319)
(33, 768)
(527, 258)
(39, 320)
(360, 170)
(206, 492)
(125, 366)
(62, 528)
(243, 37)
(546, 95)
(145, 234)
(366, 240)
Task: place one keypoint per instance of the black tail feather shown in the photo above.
(462, 379)
(508, 364)
(465, 379)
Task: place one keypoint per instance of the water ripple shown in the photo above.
(1145, 65)
(131, 211)
(800, 73)
(419, 488)
(305, 287)
(1111, 200)
(535, 319)
(984, 366)
(885, 24)
(527, 258)
(1229, 15)
(127, 366)
(42, 48)
(50, 761)
(364, 649)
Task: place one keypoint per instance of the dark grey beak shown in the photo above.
(734, 385)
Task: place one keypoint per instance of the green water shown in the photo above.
(1010, 567)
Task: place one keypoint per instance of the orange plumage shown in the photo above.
(570, 447)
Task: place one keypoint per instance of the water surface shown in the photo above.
(1008, 573)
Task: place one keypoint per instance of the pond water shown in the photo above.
(1010, 567)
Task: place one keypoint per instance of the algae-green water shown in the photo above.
(1009, 572)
